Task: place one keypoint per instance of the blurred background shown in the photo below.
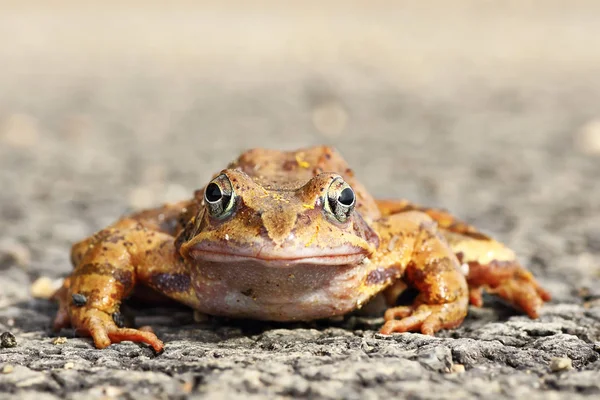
(487, 108)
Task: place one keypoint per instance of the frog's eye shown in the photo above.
(340, 200)
(219, 197)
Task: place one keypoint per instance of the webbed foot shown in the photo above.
(509, 281)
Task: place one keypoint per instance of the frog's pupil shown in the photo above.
(346, 197)
(213, 193)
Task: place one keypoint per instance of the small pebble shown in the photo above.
(8, 369)
(7, 340)
(457, 369)
(69, 365)
(560, 364)
(44, 287)
(112, 391)
(59, 340)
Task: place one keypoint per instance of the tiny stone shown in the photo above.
(7, 340)
(8, 369)
(457, 369)
(560, 364)
(43, 288)
(79, 300)
(59, 340)
(112, 391)
(69, 365)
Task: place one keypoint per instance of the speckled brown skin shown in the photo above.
(282, 238)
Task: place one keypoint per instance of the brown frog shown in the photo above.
(290, 236)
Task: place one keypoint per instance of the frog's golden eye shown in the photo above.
(219, 197)
(340, 200)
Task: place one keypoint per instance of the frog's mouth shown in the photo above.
(280, 257)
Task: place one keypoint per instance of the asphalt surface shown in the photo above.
(490, 111)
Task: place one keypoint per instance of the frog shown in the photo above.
(290, 236)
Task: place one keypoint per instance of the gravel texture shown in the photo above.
(488, 110)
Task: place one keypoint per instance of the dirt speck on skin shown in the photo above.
(109, 109)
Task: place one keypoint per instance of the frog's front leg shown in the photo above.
(116, 260)
(411, 243)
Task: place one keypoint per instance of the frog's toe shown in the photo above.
(425, 318)
(410, 320)
(475, 297)
(136, 335)
(103, 330)
(544, 295)
(398, 312)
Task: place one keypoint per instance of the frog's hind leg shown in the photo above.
(491, 265)
(510, 282)
(494, 268)
(444, 220)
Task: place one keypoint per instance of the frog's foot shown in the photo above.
(522, 293)
(104, 331)
(510, 282)
(427, 318)
(475, 297)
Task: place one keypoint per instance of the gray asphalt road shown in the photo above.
(489, 110)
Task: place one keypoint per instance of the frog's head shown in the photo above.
(277, 223)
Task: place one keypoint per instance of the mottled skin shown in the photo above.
(280, 236)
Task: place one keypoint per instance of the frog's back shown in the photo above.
(290, 170)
